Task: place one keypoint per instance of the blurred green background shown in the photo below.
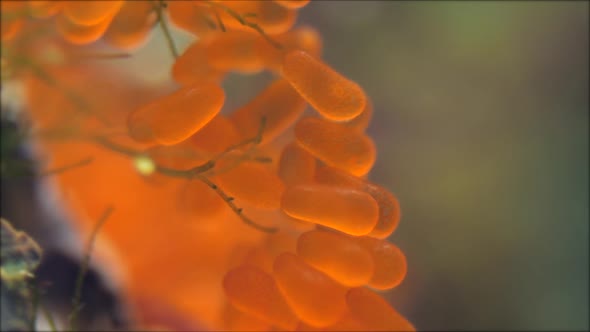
(481, 124)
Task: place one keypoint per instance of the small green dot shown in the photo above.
(144, 165)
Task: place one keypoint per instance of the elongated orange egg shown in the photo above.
(294, 4)
(347, 210)
(174, 118)
(296, 165)
(331, 94)
(390, 262)
(131, 25)
(253, 183)
(336, 255)
(90, 13)
(255, 292)
(314, 297)
(336, 144)
(82, 34)
(279, 104)
(389, 209)
(374, 312)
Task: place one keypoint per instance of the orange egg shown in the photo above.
(132, 25)
(237, 320)
(90, 12)
(44, 9)
(389, 210)
(331, 94)
(271, 17)
(296, 165)
(255, 292)
(216, 136)
(234, 51)
(337, 255)
(190, 17)
(374, 312)
(347, 210)
(314, 297)
(303, 38)
(192, 66)
(295, 4)
(336, 144)
(361, 121)
(279, 104)
(199, 201)
(82, 34)
(174, 118)
(390, 262)
(253, 183)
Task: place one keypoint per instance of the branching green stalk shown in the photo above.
(200, 172)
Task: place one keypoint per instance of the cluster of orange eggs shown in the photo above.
(301, 174)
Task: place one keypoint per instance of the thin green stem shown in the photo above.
(230, 202)
(242, 20)
(76, 300)
(65, 168)
(49, 317)
(158, 6)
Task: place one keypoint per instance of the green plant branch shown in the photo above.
(200, 172)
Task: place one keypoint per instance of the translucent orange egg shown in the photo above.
(315, 298)
(374, 312)
(199, 201)
(192, 17)
(337, 255)
(303, 38)
(255, 292)
(268, 15)
(361, 121)
(82, 34)
(336, 144)
(347, 210)
(331, 94)
(90, 13)
(253, 183)
(216, 136)
(174, 118)
(296, 165)
(389, 209)
(192, 66)
(43, 9)
(132, 25)
(346, 323)
(279, 104)
(237, 320)
(179, 156)
(235, 51)
(295, 4)
(390, 262)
